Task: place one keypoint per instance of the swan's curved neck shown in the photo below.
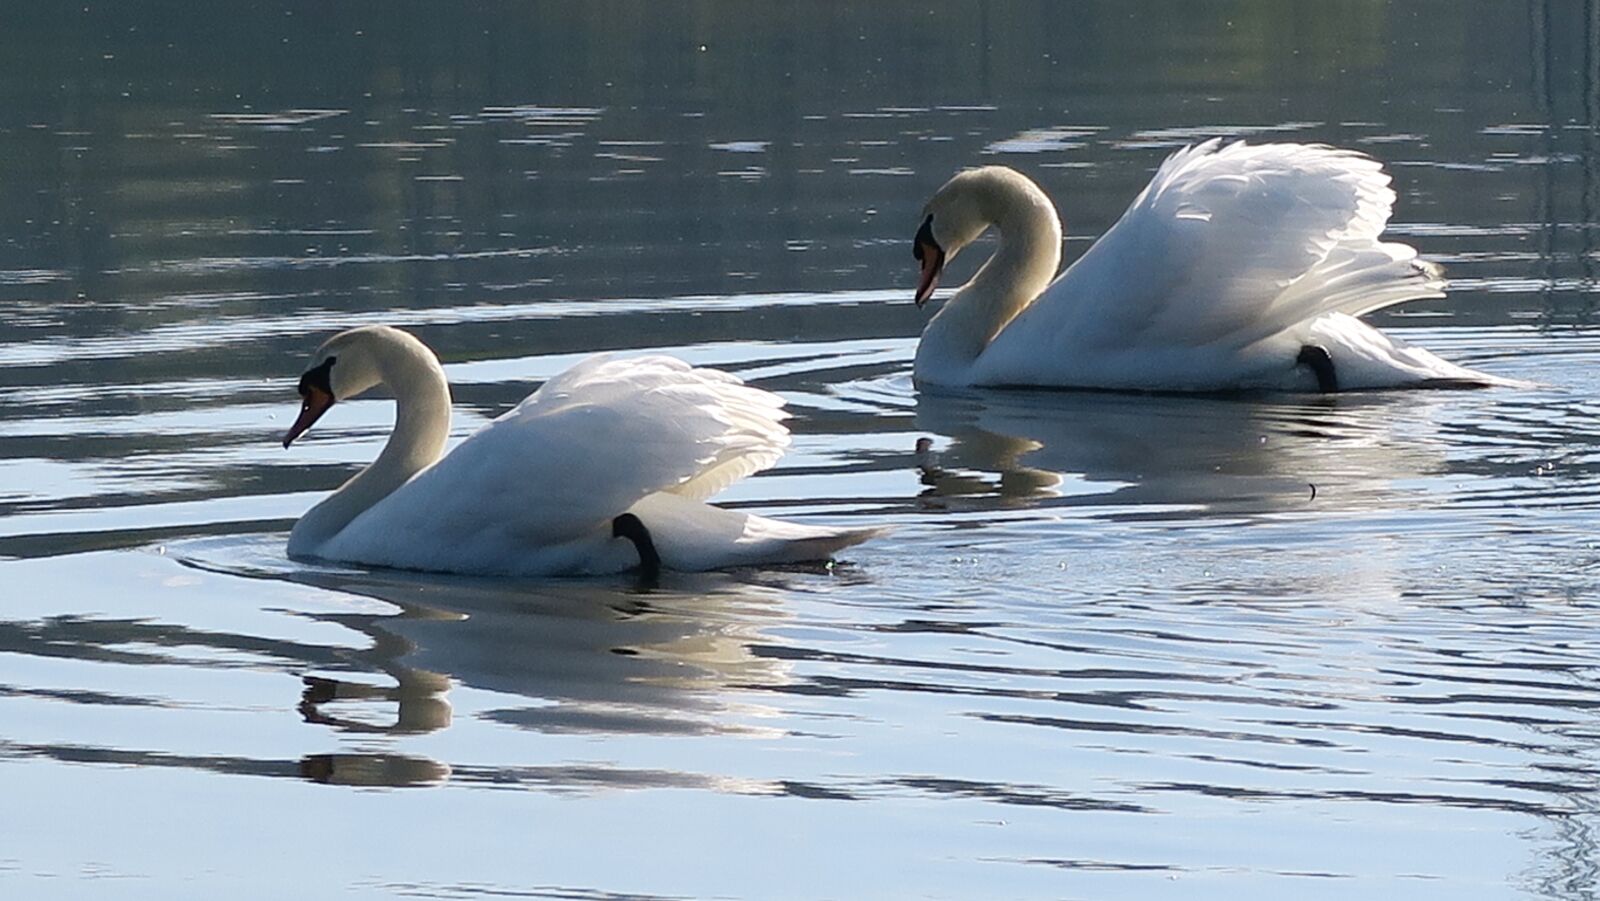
(1022, 266)
(421, 425)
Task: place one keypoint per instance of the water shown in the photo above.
(1115, 647)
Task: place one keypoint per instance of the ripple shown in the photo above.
(33, 276)
(742, 146)
(535, 114)
(1045, 140)
(282, 119)
(232, 330)
(1182, 136)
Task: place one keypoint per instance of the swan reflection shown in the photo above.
(1235, 455)
(418, 696)
(1013, 485)
(557, 657)
(376, 770)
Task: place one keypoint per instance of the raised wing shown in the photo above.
(1233, 243)
(586, 446)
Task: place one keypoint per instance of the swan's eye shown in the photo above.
(319, 377)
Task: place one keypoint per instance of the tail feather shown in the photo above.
(692, 536)
(776, 541)
(1354, 278)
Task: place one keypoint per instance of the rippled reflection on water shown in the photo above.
(1115, 645)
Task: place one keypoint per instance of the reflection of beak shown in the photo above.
(931, 256)
(316, 403)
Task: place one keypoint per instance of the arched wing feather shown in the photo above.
(1216, 244)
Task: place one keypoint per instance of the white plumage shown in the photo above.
(1229, 263)
(535, 491)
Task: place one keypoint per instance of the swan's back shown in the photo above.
(735, 430)
(1215, 274)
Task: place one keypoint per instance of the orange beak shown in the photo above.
(316, 402)
(931, 256)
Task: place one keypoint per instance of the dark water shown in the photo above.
(1116, 646)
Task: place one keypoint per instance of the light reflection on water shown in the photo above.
(1095, 605)
(1244, 646)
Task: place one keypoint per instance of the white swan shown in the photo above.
(602, 469)
(1238, 267)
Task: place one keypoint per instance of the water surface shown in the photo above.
(1116, 646)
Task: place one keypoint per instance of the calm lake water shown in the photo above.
(1116, 647)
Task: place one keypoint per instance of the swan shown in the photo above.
(1238, 267)
(603, 469)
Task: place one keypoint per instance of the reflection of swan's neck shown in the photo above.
(421, 424)
(1027, 257)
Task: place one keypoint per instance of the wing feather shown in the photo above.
(586, 446)
(1232, 244)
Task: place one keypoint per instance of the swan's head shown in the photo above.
(958, 213)
(344, 366)
(962, 210)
